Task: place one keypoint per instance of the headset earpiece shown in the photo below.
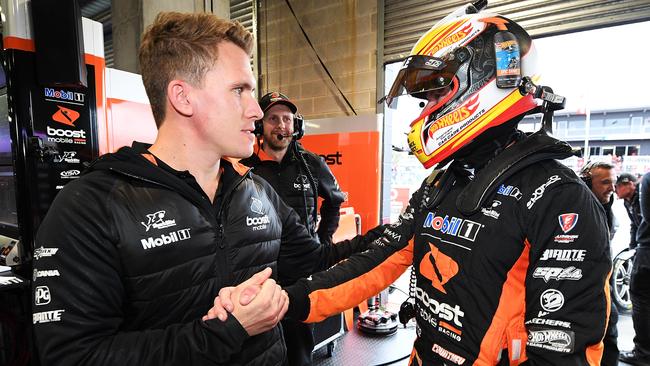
(585, 173)
(259, 128)
(298, 126)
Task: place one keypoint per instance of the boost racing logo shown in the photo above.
(260, 222)
(67, 117)
(444, 265)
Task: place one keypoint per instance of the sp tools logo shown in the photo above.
(456, 116)
(438, 267)
(568, 221)
(65, 116)
(456, 37)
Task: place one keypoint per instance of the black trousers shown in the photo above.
(299, 339)
(610, 341)
(640, 295)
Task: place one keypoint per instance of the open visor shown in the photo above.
(421, 73)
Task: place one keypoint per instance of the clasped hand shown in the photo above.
(258, 303)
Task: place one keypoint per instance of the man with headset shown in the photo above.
(300, 177)
(600, 177)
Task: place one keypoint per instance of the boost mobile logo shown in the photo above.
(436, 260)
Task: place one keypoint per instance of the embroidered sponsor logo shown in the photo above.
(510, 191)
(62, 136)
(552, 339)
(549, 322)
(558, 274)
(539, 192)
(44, 252)
(568, 221)
(157, 220)
(440, 309)
(551, 300)
(42, 295)
(301, 183)
(47, 316)
(68, 157)
(435, 264)
(164, 239)
(46, 273)
(12, 280)
(491, 212)
(458, 360)
(454, 226)
(564, 239)
(260, 222)
(565, 255)
(70, 174)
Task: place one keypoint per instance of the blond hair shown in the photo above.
(183, 46)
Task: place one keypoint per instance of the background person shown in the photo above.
(626, 189)
(300, 177)
(640, 284)
(600, 178)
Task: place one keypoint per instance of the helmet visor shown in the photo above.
(421, 74)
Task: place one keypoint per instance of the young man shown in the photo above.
(136, 250)
(299, 177)
(626, 189)
(509, 249)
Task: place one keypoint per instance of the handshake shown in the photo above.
(258, 303)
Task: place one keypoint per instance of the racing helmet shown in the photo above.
(466, 70)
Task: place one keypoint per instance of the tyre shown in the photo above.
(622, 269)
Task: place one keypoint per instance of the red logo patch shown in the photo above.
(568, 221)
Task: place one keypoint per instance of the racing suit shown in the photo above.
(521, 281)
(131, 256)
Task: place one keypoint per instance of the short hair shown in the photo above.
(586, 170)
(179, 45)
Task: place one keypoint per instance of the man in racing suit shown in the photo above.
(510, 250)
(133, 253)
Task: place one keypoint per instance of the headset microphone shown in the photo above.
(281, 137)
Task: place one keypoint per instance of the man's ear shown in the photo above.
(178, 96)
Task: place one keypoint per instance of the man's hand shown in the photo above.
(257, 303)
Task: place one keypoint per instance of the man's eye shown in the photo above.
(238, 91)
